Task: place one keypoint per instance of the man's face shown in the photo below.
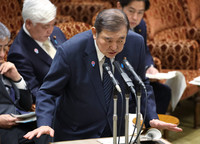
(134, 11)
(39, 31)
(110, 43)
(3, 49)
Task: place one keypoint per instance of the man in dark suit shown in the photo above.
(14, 97)
(29, 51)
(76, 71)
(134, 9)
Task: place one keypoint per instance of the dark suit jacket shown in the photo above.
(23, 100)
(161, 91)
(142, 30)
(31, 60)
(82, 110)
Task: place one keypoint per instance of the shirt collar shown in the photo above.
(100, 55)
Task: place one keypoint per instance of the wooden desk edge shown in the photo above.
(93, 141)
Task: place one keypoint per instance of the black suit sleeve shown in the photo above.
(25, 101)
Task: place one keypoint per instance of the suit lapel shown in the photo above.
(92, 63)
(4, 91)
(36, 50)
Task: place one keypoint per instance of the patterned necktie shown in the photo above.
(12, 93)
(50, 50)
(107, 83)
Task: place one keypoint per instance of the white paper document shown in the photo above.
(195, 81)
(25, 118)
(160, 76)
(178, 86)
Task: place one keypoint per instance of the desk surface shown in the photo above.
(95, 141)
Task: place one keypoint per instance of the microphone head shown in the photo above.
(153, 134)
(106, 66)
(127, 64)
(118, 66)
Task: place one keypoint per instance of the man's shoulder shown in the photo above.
(56, 29)
(19, 42)
(79, 42)
(140, 27)
(134, 35)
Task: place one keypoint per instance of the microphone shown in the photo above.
(126, 78)
(153, 134)
(131, 69)
(114, 81)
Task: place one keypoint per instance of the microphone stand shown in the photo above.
(138, 124)
(115, 117)
(127, 118)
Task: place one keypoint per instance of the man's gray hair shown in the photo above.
(4, 32)
(111, 20)
(38, 11)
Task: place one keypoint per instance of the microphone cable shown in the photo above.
(144, 117)
(141, 84)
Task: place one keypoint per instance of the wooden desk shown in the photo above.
(95, 141)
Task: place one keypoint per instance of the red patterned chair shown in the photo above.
(112, 2)
(82, 11)
(192, 11)
(11, 16)
(72, 28)
(63, 19)
(170, 37)
(175, 42)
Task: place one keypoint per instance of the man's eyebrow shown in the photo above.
(132, 8)
(122, 37)
(108, 38)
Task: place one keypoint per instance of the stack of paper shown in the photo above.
(25, 118)
(159, 76)
(195, 81)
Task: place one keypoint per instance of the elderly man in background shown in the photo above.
(35, 45)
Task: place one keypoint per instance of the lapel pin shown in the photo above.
(54, 37)
(140, 30)
(93, 63)
(36, 50)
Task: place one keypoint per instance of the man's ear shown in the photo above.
(28, 24)
(119, 5)
(94, 33)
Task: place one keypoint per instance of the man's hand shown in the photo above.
(152, 70)
(40, 131)
(9, 70)
(155, 123)
(7, 121)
